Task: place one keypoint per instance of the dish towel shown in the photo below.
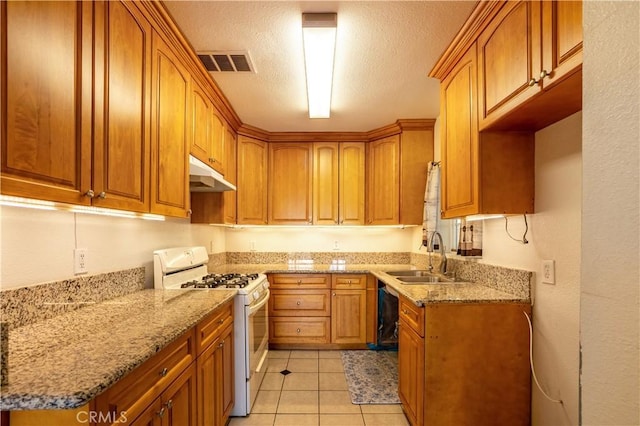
(431, 203)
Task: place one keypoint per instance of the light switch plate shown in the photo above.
(549, 271)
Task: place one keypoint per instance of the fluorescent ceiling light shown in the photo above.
(319, 39)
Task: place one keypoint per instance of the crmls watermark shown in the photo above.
(100, 417)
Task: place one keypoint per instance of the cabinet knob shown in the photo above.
(298, 303)
(102, 195)
(90, 193)
(164, 372)
(334, 293)
(404, 311)
(221, 345)
(161, 412)
(169, 404)
(298, 331)
(299, 282)
(189, 212)
(544, 73)
(349, 282)
(220, 321)
(533, 82)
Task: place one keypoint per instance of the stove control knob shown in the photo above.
(256, 295)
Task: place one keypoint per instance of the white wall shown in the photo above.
(37, 246)
(610, 293)
(554, 234)
(320, 239)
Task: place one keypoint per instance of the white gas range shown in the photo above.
(186, 268)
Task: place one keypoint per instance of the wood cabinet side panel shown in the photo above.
(492, 361)
(507, 172)
(416, 152)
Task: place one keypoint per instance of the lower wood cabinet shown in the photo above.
(464, 363)
(317, 310)
(215, 381)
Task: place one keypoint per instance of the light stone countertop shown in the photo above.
(419, 294)
(65, 361)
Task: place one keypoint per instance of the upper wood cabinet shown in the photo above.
(218, 207)
(252, 169)
(122, 90)
(46, 100)
(526, 49)
(486, 173)
(201, 123)
(170, 132)
(338, 183)
(218, 134)
(397, 175)
(290, 183)
(383, 181)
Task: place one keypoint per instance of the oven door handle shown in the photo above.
(253, 308)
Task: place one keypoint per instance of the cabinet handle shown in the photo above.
(404, 311)
(90, 193)
(161, 412)
(533, 82)
(349, 282)
(298, 303)
(102, 195)
(164, 372)
(169, 404)
(298, 331)
(544, 74)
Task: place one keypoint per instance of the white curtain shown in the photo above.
(431, 213)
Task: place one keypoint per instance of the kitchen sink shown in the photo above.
(419, 277)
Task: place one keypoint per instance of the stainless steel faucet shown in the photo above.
(443, 256)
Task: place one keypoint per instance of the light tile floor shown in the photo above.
(314, 393)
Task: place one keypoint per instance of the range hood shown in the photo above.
(202, 178)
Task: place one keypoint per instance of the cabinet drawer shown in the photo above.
(300, 303)
(134, 392)
(210, 328)
(349, 281)
(299, 330)
(306, 281)
(412, 315)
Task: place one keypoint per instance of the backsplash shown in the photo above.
(318, 257)
(513, 281)
(26, 305)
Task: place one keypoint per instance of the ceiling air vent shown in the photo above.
(227, 61)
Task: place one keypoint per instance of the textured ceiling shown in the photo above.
(384, 51)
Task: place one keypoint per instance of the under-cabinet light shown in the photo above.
(7, 200)
(319, 40)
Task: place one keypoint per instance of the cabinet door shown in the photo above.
(201, 113)
(509, 58)
(179, 400)
(231, 174)
(169, 132)
(348, 316)
(46, 100)
(252, 181)
(215, 381)
(562, 39)
(383, 177)
(226, 370)
(218, 133)
(459, 137)
(121, 164)
(290, 187)
(411, 373)
(149, 417)
(325, 183)
(351, 183)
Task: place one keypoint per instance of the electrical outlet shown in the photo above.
(336, 245)
(80, 261)
(549, 271)
(252, 245)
